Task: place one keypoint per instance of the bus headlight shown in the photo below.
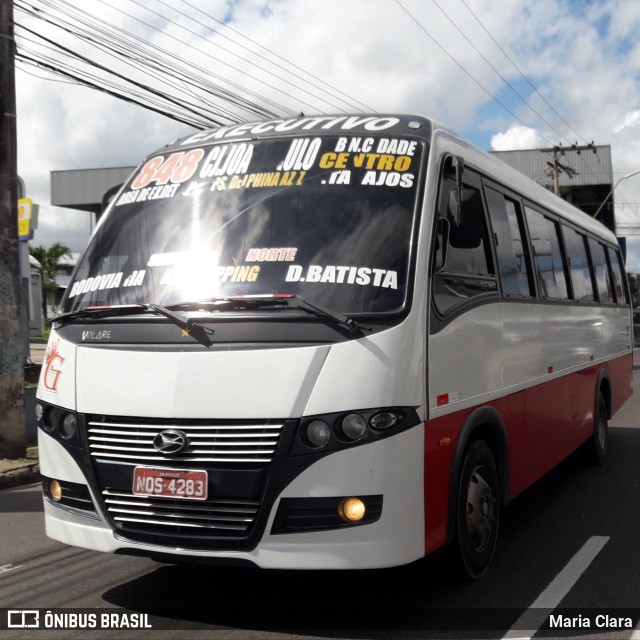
(318, 433)
(50, 418)
(69, 426)
(353, 426)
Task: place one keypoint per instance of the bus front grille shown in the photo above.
(137, 516)
(131, 440)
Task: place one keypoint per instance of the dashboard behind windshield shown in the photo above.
(327, 218)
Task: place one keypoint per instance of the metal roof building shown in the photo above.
(583, 175)
(87, 189)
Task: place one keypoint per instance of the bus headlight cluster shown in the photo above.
(57, 422)
(346, 428)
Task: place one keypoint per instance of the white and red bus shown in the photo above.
(330, 342)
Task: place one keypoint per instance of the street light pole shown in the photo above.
(635, 173)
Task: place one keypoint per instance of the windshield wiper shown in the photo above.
(100, 312)
(239, 303)
(264, 301)
(189, 326)
(346, 321)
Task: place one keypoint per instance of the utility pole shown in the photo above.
(555, 168)
(12, 417)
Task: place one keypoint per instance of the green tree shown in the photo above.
(50, 261)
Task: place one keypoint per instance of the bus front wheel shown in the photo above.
(598, 445)
(477, 511)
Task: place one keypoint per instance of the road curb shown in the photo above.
(22, 475)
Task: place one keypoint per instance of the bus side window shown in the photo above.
(506, 220)
(468, 271)
(583, 285)
(615, 260)
(601, 269)
(547, 256)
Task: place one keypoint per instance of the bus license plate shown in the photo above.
(170, 483)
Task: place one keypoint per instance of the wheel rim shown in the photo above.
(481, 505)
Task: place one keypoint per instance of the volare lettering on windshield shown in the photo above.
(96, 335)
(334, 274)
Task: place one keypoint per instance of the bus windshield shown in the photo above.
(327, 218)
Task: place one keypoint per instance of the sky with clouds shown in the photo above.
(507, 75)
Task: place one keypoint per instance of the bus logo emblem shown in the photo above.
(53, 367)
(170, 442)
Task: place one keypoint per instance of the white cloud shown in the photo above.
(631, 119)
(516, 137)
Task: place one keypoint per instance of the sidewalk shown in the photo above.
(15, 473)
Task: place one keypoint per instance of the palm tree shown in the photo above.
(50, 261)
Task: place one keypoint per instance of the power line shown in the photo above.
(517, 68)
(493, 67)
(164, 65)
(462, 67)
(145, 72)
(114, 73)
(518, 94)
(184, 43)
(160, 65)
(278, 56)
(229, 51)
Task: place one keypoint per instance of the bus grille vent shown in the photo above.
(131, 440)
(168, 517)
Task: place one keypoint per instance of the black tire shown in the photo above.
(597, 446)
(477, 512)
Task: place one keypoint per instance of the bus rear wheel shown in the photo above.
(477, 512)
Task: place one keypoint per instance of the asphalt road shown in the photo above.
(569, 544)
